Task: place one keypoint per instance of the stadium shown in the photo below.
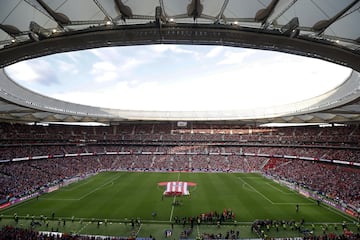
(290, 171)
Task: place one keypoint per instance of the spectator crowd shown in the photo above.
(70, 151)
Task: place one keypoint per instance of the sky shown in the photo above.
(178, 77)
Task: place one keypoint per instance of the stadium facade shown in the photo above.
(182, 141)
(324, 30)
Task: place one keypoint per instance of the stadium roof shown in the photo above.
(324, 29)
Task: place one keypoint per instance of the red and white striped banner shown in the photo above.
(176, 188)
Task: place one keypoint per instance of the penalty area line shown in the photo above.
(81, 229)
(278, 189)
(60, 199)
(137, 232)
(257, 191)
(101, 186)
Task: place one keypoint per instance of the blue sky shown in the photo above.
(178, 77)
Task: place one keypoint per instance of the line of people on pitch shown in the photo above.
(212, 217)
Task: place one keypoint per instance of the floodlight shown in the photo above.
(264, 13)
(124, 10)
(10, 29)
(60, 18)
(37, 32)
(291, 28)
(194, 9)
(158, 12)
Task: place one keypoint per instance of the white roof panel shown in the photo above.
(340, 35)
(341, 29)
(237, 9)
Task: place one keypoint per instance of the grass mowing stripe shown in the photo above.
(137, 195)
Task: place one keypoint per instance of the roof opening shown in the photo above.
(178, 77)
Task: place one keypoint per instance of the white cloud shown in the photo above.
(106, 53)
(215, 52)
(233, 57)
(33, 71)
(131, 63)
(99, 67)
(104, 72)
(67, 67)
(23, 72)
(161, 48)
(241, 79)
(73, 57)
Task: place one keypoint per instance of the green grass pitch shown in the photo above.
(119, 196)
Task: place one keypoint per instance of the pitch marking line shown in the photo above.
(81, 182)
(16, 206)
(269, 200)
(60, 199)
(173, 203)
(279, 189)
(99, 187)
(137, 233)
(339, 213)
(257, 191)
(251, 177)
(81, 229)
(247, 187)
(86, 194)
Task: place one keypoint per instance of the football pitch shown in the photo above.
(120, 197)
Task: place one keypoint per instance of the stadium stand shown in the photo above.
(9, 232)
(333, 181)
(325, 160)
